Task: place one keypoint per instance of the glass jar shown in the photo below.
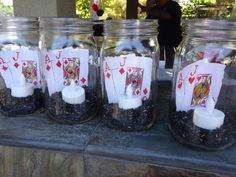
(20, 81)
(203, 107)
(129, 73)
(70, 65)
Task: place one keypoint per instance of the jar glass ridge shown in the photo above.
(69, 55)
(205, 68)
(20, 66)
(129, 59)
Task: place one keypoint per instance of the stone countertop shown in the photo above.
(155, 146)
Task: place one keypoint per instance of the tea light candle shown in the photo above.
(22, 89)
(208, 118)
(73, 94)
(129, 101)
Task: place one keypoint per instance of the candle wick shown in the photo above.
(129, 91)
(22, 80)
(72, 85)
(210, 104)
(206, 60)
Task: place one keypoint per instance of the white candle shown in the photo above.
(129, 101)
(22, 89)
(73, 94)
(208, 118)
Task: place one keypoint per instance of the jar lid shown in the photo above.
(212, 29)
(18, 23)
(68, 25)
(130, 27)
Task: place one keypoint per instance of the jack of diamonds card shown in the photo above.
(29, 65)
(134, 77)
(122, 71)
(75, 66)
(143, 70)
(29, 69)
(23, 61)
(12, 59)
(71, 70)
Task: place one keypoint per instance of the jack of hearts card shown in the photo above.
(195, 82)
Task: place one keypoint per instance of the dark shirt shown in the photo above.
(170, 34)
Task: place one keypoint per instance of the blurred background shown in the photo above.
(116, 9)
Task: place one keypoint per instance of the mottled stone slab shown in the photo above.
(37, 131)
(157, 146)
(24, 162)
(36, 146)
(108, 167)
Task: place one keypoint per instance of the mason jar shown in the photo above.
(70, 67)
(129, 58)
(203, 105)
(20, 80)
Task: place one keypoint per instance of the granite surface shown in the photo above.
(32, 146)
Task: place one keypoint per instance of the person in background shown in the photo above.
(168, 13)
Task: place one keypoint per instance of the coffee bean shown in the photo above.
(60, 111)
(129, 120)
(183, 128)
(13, 106)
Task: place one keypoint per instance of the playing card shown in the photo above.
(109, 84)
(75, 66)
(122, 71)
(5, 71)
(71, 70)
(65, 65)
(48, 58)
(201, 89)
(145, 65)
(195, 82)
(181, 82)
(12, 65)
(115, 75)
(212, 52)
(29, 69)
(14, 57)
(134, 77)
(29, 66)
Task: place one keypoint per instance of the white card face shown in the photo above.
(63, 66)
(196, 82)
(15, 62)
(120, 72)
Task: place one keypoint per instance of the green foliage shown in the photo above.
(114, 9)
(206, 8)
(83, 8)
(190, 8)
(6, 10)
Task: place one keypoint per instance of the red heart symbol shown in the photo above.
(199, 78)
(203, 101)
(191, 79)
(180, 85)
